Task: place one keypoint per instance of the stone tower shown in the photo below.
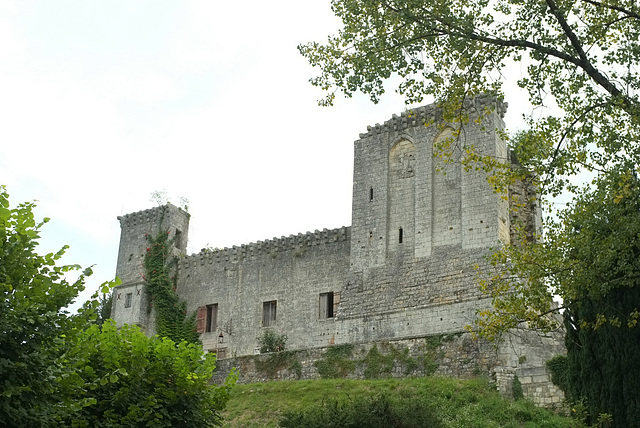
(130, 300)
(408, 202)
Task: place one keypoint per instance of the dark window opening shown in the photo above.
(400, 235)
(178, 239)
(269, 313)
(211, 320)
(371, 194)
(127, 300)
(328, 304)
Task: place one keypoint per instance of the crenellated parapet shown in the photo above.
(295, 244)
(151, 216)
(430, 113)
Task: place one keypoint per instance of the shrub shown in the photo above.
(380, 411)
(270, 341)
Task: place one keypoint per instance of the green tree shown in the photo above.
(63, 370)
(578, 61)
(33, 321)
(578, 56)
(104, 308)
(132, 380)
(601, 319)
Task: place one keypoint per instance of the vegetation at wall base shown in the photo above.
(337, 362)
(449, 403)
(172, 320)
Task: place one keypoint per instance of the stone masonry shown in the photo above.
(405, 269)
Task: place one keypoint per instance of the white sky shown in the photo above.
(103, 102)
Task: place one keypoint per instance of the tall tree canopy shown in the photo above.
(578, 57)
(578, 62)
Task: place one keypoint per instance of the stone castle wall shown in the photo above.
(292, 271)
(405, 269)
(453, 355)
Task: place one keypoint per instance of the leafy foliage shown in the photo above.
(558, 368)
(337, 362)
(33, 321)
(62, 370)
(132, 380)
(104, 308)
(365, 412)
(456, 402)
(578, 61)
(35, 329)
(578, 57)
(593, 250)
(172, 320)
(270, 341)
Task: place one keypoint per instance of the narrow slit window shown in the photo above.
(178, 239)
(371, 194)
(400, 235)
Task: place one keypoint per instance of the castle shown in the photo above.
(405, 269)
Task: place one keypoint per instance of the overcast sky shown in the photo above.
(104, 102)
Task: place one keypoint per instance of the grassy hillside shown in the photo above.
(458, 403)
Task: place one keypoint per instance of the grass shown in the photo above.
(459, 403)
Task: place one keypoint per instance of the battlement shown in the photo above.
(151, 215)
(269, 247)
(425, 114)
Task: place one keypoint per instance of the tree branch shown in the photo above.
(582, 61)
(627, 12)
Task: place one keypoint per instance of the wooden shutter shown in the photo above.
(322, 312)
(200, 318)
(336, 302)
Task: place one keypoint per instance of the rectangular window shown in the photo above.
(269, 313)
(127, 300)
(400, 235)
(211, 320)
(328, 307)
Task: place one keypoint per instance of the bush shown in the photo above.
(380, 411)
(132, 380)
(270, 341)
(558, 367)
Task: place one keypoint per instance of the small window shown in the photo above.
(371, 194)
(211, 320)
(400, 235)
(328, 306)
(178, 239)
(127, 300)
(269, 313)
